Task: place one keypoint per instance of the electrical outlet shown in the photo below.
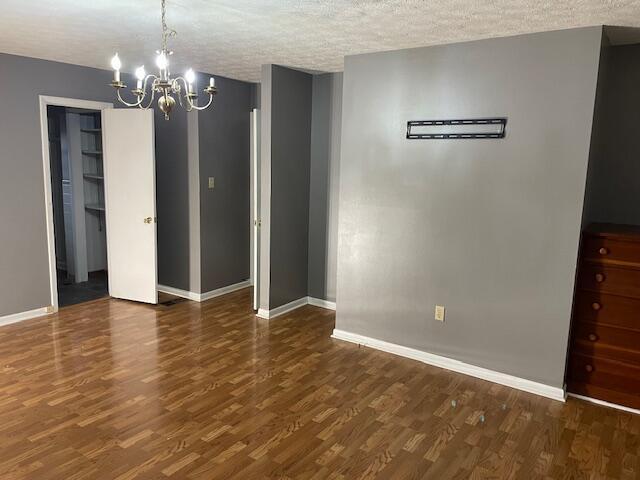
(439, 315)
(212, 182)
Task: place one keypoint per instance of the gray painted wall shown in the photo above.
(255, 96)
(24, 263)
(290, 149)
(224, 210)
(614, 170)
(193, 174)
(487, 228)
(326, 120)
(172, 199)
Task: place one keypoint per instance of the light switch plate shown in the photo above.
(212, 182)
(439, 314)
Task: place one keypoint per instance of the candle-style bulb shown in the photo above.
(116, 64)
(190, 76)
(212, 82)
(161, 61)
(140, 73)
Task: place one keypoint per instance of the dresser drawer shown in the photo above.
(607, 249)
(607, 309)
(604, 373)
(606, 279)
(596, 340)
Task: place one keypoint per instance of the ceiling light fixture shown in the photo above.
(162, 84)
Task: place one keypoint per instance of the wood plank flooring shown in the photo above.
(117, 390)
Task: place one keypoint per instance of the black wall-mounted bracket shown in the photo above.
(459, 129)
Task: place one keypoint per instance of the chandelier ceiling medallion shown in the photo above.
(148, 86)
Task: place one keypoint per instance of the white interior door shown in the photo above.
(255, 205)
(130, 203)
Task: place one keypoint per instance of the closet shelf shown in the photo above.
(92, 152)
(93, 177)
(91, 130)
(96, 207)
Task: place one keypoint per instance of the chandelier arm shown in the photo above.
(124, 102)
(189, 104)
(140, 97)
(176, 88)
(204, 107)
(153, 90)
(146, 81)
(151, 98)
(187, 107)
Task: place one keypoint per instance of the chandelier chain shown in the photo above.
(166, 31)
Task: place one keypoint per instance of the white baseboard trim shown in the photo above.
(282, 309)
(224, 290)
(530, 386)
(604, 403)
(318, 302)
(18, 317)
(201, 297)
(178, 292)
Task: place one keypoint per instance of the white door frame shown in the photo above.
(255, 205)
(45, 101)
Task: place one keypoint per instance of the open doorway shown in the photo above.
(69, 259)
(123, 199)
(77, 195)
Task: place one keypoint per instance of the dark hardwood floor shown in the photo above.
(117, 390)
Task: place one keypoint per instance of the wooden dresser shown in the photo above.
(604, 360)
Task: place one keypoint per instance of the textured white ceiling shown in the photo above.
(234, 37)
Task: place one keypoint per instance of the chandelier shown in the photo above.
(148, 86)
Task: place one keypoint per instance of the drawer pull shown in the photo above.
(593, 337)
(596, 306)
(603, 251)
(599, 277)
(588, 368)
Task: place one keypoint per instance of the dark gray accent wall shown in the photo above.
(613, 194)
(323, 185)
(291, 92)
(487, 228)
(172, 199)
(224, 210)
(24, 263)
(255, 95)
